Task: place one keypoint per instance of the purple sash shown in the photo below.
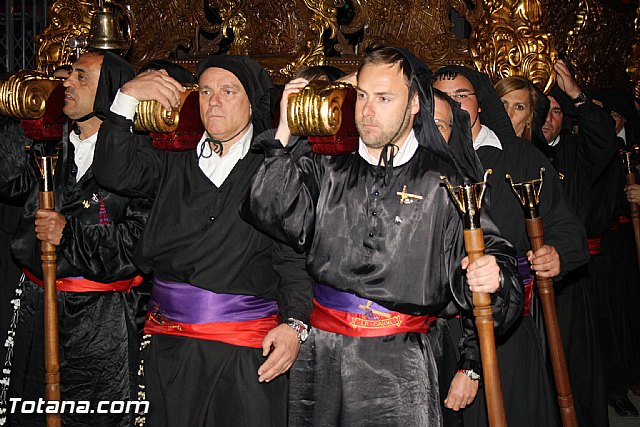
(344, 301)
(184, 303)
(524, 269)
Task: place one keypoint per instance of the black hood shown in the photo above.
(256, 83)
(115, 72)
(459, 152)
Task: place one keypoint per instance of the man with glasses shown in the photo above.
(520, 351)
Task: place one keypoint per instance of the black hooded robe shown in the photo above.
(360, 239)
(97, 330)
(195, 235)
(582, 159)
(521, 351)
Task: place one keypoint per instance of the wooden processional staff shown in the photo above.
(528, 193)
(468, 199)
(630, 178)
(46, 166)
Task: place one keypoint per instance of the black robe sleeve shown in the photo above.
(104, 252)
(295, 293)
(126, 162)
(597, 140)
(277, 217)
(17, 176)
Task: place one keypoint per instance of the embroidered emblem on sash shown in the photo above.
(372, 318)
(85, 204)
(407, 198)
(156, 316)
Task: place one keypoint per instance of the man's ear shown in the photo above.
(415, 104)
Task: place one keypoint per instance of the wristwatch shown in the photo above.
(580, 99)
(473, 375)
(299, 327)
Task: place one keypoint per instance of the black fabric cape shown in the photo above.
(98, 336)
(195, 234)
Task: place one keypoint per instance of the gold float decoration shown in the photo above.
(24, 94)
(317, 109)
(151, 116)
(633, 62)
(67, 19)
(509, 41)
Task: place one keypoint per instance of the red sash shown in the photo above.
(594, 245)
(361, 325)
(249, 333)
(80, 284)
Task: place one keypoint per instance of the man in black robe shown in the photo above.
(229, 305)
(581, 159)
(384, 246)
(95, 232)
(520, 350)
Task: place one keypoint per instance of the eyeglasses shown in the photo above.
(442, 125)
(460, 96)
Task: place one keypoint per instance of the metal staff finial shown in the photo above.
(468, 199)
(46, 165)
(528, 193)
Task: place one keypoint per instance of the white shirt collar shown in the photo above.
(405, 153)
(623, 134)
(555, 141)
(217, 168)
(83, 152)
(486, 138)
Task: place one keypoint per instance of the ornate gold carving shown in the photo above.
(594, 37)
(24, 94)
(322, 19)
(233, 19)
(633, 62)
(317, 109)
(151, 116)
(162, 27)
(508, 41)
(423, 26)
(67, 19)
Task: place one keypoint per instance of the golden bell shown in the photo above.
(105, 29)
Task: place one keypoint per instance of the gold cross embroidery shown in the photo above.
(85, 204)
(373, 310)
(406, 198)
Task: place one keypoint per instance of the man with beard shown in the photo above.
(95, 232)
(229, 305)
(520, 351)
(384, 246)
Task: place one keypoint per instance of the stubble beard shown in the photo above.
(390, 135)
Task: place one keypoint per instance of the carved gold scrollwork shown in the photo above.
(323, 18)
(151, 116)
(233, 19)
(24, 94)
(67, 19)
(633, 62)
(317, 109)
(509, 41)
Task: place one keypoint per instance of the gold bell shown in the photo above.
(105, 28)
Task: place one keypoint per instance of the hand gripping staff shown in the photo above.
(528, 193)
(630, 178)
(46, 166)
(468, 200)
